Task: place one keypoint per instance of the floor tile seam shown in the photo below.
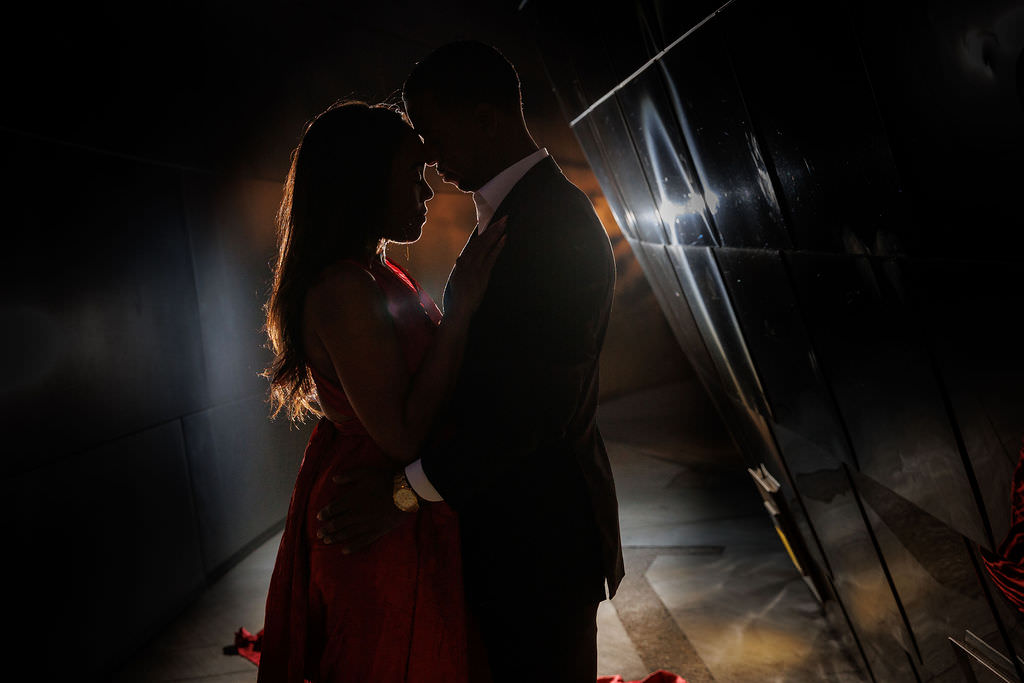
(659, 454)
(644, 605)
(696, 522)
(650, 640)
(686, 549)
(708, 491)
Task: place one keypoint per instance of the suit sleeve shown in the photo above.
(531, 356)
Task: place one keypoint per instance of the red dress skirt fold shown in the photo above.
(393, 613)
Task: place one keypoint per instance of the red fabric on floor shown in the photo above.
(659, 676)
(248, 645)
(1006, 566)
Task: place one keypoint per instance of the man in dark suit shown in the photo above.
(525, 467)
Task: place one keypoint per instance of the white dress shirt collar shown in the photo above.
(489, 197)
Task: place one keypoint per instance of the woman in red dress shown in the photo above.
(360, 344)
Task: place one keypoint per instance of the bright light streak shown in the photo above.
(671, 211)
(694, 205)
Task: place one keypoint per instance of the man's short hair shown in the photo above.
(466, 72)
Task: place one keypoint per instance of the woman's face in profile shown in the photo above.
(408, 192)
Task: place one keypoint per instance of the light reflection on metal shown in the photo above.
(711, 197)
(671, 211)
(739, 190)
(705, 322)
(649, 62)
(630, 218)
(678, 201)
(764, 180)
(695, 205)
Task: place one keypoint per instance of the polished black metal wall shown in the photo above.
(826, 199)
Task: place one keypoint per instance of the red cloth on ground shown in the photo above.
(1006, 565)
(659, 676)
(247, 645)
(394, 612)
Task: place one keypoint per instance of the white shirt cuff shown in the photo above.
(420, 484)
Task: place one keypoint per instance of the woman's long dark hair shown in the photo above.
(331, 209)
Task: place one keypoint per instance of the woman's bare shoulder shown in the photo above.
(343, 282)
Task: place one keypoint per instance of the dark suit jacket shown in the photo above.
(526, 469)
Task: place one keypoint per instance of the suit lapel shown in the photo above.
(523, 189)
(528, 186)
(445, 296)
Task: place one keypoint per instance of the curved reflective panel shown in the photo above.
(949, 89)
(933, 574)
(722, 143)
(681, 201)
(758, 172)
(804, 417)
(884, 386)
(659, 271)
(835, 510)
(671, 18)
(612, 134)
(596, 157)
(803, 82)
(969, 313)
(702, 286)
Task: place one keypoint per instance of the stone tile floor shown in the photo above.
(710, 592)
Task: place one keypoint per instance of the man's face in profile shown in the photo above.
(449, 138)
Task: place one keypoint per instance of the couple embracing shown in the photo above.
(454, 518)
